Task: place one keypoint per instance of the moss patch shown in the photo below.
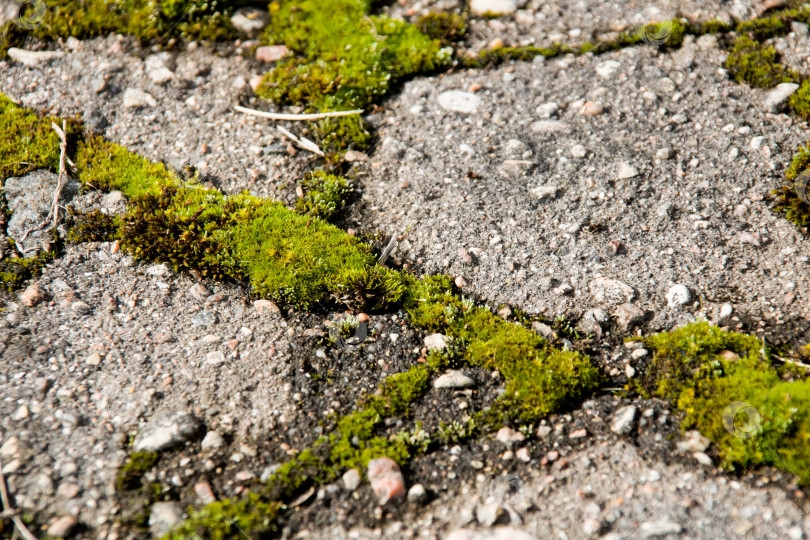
(743, 404)
(788, 202)
(757, 64)
(325, 195)
(343, 59)
(27, 141)
(445, 27)
(130, 474)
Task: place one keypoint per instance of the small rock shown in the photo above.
(453, 379)
(61, 527)
(541, 192)
(489, 514)
(777, 98)
(623, 420)
(591, 526)
(678, 295)
(459, 101)
(639, 353)
(725, 311)
(135, 98)
(93, 360)
(498, 533)
(523, 455)
(753, 239)
(386, 479)
(353, 156)
(204, 492)
(692, 442)
(266, 305)
(163, 516)
(21, 413)
(592, 108)
(550, 126)
(33, 58)
(33, 295)
(628, 315)
(703, 459)
(98, 85)
(509, 436)
(351, 479)
(593, 321)
(495, 7)
(578, 151)
(543, 329)
(250, 21)
(417, 494)
(436, 342)
(665, 210)
(199, 291)
(650, 529)
(166, 431)
(94, 120)
(626, 171)
(664, 153)
(271, 53)
(82, 308)
(607, 69)
(11, 448)
(610, 291)
(68, 490)
(212, 441)
(578, 434)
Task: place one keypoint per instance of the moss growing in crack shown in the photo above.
(343, 59)
(445, 27)
(788, 202)
(756, 64)
(229, 519)
(325, 195)
(154, 20)
(27, 141)
(15, 272)
(799, 102)
(108, 166)
(130, 474)
(739, 401)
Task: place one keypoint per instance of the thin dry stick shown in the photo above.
(7, 507)
(59, 184)
(295, 117)
(303, 142)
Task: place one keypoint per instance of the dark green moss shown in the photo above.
(445, 27)
(800, 100)
(741, 403)
(756, 64)
(16, 271)
(94, 226)
(153, 20)
(788, 203)
(130, 474)
(325, 195)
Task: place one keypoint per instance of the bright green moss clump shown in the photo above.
(108, 166)
(788, 202)
(756, 64)
(800, 100)
(27, 141)
(343, 59)
(742, 404)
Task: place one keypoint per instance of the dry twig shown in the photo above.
(13, 514)
(295, 117)
(303, 142)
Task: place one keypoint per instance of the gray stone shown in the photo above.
(626, 171)
(623, 420)
(212, 441)
(693, 441)
(250, 21)
(167, 431)
(417, 494)
(678, 295)
(453, 379)
(163, 517)
(33, 58)
(351, 479)
(663, 527)
(500, 7)
(459, 101)
(610, 291)
(776, 99)
(593, 321)
(628, 315)
(543, 329)
(204, 318)
(29, 198)
(94, 120)
(435, 342)
(135, 98)
(489, 514)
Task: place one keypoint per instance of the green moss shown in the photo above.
(15, 272)
(445, 27)
(343, 59)
(800, 100)
(787, 201)
(229, 519)
(742, 404)
(756, 64)
(108, 166)
(27, 141)
(325, 195)
(94, 226)
(130, 474)
(154, 20)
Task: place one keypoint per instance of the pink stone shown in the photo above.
(271, 53)
(33, 295)
(386, 479)
(262, 305)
